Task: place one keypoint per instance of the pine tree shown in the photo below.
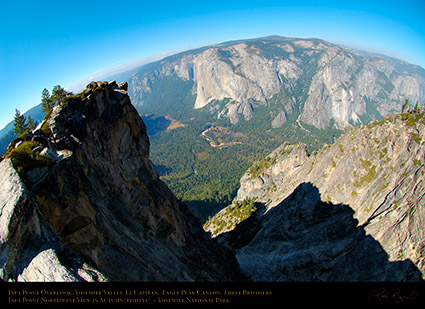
(58, 94)
(49, 101)
(417, 107)
(21, 125)
(31, 123)
(405, 107)
(46, 101)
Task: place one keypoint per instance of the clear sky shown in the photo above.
(45, 43)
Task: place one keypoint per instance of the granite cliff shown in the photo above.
(353, 211)
(321, 83)
(81, 201)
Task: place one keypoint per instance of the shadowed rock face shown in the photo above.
(378, 170)
(369, 182)
(306, 239)
(99, 211)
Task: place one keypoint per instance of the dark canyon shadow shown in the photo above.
(202, 210)
(306, 239)
(155, 124)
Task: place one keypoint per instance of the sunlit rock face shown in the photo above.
(324, 84)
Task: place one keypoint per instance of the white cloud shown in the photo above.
(116, 68)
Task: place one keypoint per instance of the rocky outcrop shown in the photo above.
(30, 248)
(98, 211)
(306, 239)
(324, 84)
(373, 176)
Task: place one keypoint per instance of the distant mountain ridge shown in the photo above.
(264, 92)
(34, 112)
(325, 84)
(7, 134)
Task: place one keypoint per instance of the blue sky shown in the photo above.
(44, 43)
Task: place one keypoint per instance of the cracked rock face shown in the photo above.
(100, 212)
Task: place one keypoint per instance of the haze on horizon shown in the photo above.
(68, 43)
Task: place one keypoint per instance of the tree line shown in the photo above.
(406, 107)
(23, 125)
